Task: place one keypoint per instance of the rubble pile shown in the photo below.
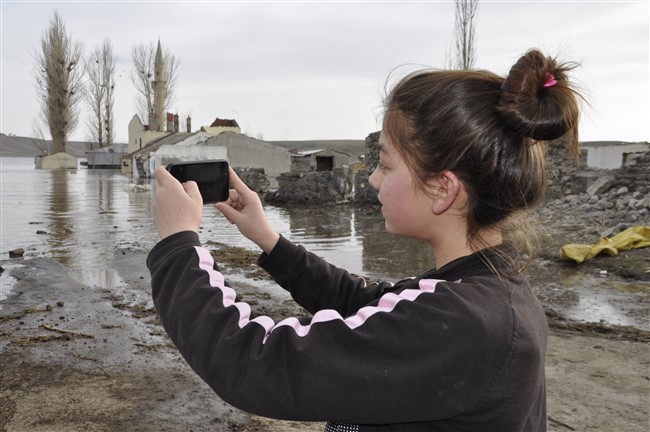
(254, 178)
(611, 199)
(316, 187)
(364, 193)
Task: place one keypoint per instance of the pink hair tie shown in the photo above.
(550, 80)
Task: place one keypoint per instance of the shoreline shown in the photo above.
(77, 357)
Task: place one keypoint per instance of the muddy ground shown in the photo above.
(80, 358)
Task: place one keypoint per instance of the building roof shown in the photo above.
(354, 148)
(224, 123)
(171, 139)
(593, 144)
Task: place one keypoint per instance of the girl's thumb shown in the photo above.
(192, 189)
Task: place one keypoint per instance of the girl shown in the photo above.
(458, 348)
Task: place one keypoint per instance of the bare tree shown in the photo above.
(38, 139)
(59, 81)
(143, 77)
(464, 26)
(100, 94)
(109, 100)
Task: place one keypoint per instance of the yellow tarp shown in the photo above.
(632, 238)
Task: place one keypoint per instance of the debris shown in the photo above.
(16, 253)
(632, 238)
(73, 333)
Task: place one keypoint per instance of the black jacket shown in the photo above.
(455, 349)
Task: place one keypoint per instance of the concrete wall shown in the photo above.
(56, 161)
(246, 152)
(611, 156)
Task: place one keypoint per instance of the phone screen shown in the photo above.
(210, 176)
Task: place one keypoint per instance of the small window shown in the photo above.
(324, 163)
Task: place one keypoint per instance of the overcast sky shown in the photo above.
(305, 70)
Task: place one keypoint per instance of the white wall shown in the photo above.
(611, 156)
(138, 137)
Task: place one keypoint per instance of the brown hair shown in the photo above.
(487, 130)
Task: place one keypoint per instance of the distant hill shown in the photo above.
(14, 146)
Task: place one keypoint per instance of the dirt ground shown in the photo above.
(79, 358)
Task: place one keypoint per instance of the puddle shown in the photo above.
(99, 277)
(599, 298)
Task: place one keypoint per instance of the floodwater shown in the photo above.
(81, 217)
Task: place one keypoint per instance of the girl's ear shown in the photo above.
(444, 190)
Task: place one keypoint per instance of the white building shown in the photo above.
(140, 135)
(611, 154)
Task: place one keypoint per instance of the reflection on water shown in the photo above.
(60, 231)
(356, 240)
(80, 217)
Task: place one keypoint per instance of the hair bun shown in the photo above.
(536, 99)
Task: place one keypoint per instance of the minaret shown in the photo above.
(159, 90)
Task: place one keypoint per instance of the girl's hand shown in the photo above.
(177, 207)
(244, 209)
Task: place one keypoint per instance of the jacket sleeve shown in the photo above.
(388, 363)
(314, 283)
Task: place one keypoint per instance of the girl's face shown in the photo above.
(406, 208)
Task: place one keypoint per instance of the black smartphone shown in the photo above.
(211, 176)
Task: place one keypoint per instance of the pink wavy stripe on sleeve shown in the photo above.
(216, 280)
(386, 303)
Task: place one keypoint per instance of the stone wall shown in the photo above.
(56, 161)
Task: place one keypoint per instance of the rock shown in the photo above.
(605, 204)
(645, 203)
(583, 179)
(17, 253)
(600, 186)
(612, 231)
(622, 191)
